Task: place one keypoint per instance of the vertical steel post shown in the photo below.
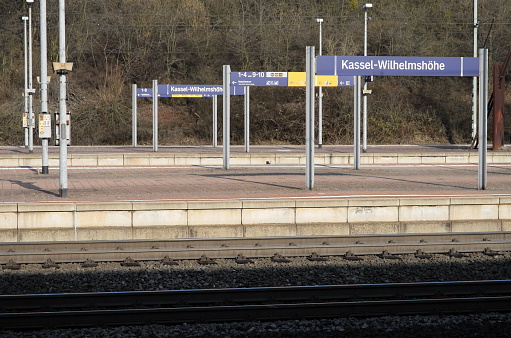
(30, 85)
(309, 117)
(155, 115)
(215, 121)
(247, 118)
(320, 93)
(483, 116)
(474, 80)
(44, 82)
(364, 95)
(356, 123)
(25, 92)
(226, 119)
(134, 121)
(62, 102)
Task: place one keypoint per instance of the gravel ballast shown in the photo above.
(263, 273)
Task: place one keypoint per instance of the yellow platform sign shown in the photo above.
(297, 79)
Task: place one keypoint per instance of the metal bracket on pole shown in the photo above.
(309, 117)
(226, 131)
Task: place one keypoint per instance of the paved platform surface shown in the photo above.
(142, 183)
(241, 149)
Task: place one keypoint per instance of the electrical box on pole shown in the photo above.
(56, 128)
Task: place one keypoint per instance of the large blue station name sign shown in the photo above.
(397, 66)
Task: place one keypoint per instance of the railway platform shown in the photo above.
(124, 192)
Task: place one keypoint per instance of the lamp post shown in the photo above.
(30, 90)
(62, 68)
(320, 91)
(365, 91)
(25, 91)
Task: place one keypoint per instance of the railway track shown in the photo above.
(274, 303)
(241, 249)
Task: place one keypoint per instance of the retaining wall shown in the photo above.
(26, 222)
(162, 159)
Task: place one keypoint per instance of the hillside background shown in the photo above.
(116, 43)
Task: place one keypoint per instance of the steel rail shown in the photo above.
(79, 251)
(250, 295)
(178, 306)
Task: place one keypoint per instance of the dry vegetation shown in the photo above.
(119, 42)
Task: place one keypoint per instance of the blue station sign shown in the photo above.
(188, 91)
(397, 66)
(259, 79)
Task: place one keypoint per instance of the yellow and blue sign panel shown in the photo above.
(243, 79)
(297, 79)
(287, 79)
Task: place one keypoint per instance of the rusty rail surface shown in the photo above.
(13, 254)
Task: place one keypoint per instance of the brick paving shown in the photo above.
(248, 182)
(241, 182)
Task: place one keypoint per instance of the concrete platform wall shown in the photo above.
(26, 222)
(155, 159)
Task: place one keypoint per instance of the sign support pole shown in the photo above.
(44, 86)
(247, 118)
(483, 116)
(134, 115)
(215, 121)
(309, 116)
(356, 123)
(474, 79)
(155, 115)
(226, 115)
(25, 93)
(31, 90)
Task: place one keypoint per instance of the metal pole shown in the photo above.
(134, 115)
(62, 103)
(215, 121)
(247, 118)
(320, 92)
(44, 83)
(30, 87)
(226, 131)
(25, 93)
(155, 115)
(474, 80)
(483, 115)
(356, 123)
(364, 95)
(309, 117)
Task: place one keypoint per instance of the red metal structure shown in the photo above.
(499, 73)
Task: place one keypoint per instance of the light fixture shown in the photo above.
(319, 20)
(366, 6)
